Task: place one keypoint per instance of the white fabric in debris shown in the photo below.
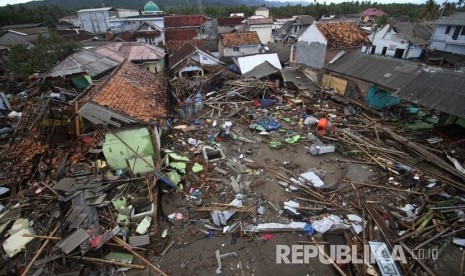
(325, 224)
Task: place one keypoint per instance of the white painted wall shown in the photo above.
(206, 60)
(312, 34)
(263, 32)
(150, 40)
(116, 23)
(444, 42)
(127, 13)
(388, 38)
(263, 13)
(94, 21)
(243, 51)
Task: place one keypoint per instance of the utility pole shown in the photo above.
(443, 8)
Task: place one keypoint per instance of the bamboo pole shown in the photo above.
(420, 262)
(102, 261)
(383, 187)
(36, 256)
(129, 248)
(333, 263)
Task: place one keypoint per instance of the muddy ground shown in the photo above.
(193, 253)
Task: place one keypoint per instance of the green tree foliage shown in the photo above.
(47, 52)
(429, 10)
(21, 14)
(382, 20)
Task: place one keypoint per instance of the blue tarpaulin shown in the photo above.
(380, 99)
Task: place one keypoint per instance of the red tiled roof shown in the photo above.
(134, 92)
(230, 21)
(371, 12)
(343, 34)
(185, 52)
(173, 46)
(180, 34)
(155, 33)
(184, 21)
(238, 39)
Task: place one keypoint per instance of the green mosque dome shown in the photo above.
(151, 7)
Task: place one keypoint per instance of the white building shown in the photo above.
(449, 35)
(238, 44)
(405, 40)
(151, 14)
(262, 11)
(95, 20)
(263, 27)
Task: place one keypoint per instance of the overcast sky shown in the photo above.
(5, 2)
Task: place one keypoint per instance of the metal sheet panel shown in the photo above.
(68, 244)
(138, 241)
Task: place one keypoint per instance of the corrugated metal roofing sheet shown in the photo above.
(96, 61)
(248, 63)
(389, 73)
(457, 18)
(443, 90)
(138, 241)
(262, 70)
(72, 241)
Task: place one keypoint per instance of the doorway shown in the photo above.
(383, 53)
(399, 53)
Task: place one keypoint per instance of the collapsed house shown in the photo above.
(128, 95)
(190, 60)
(323, 41)
(91, 64)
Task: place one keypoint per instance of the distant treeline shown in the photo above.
(50, 14)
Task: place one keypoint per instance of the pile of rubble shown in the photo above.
(122, 199)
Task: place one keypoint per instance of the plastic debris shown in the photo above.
(17, 242)
(221, 217)
(323, 225)
(293, 139)
(175, 216)
(269, 123)
(274, 144)
(313, 179)
(197, 168)
(144, 225)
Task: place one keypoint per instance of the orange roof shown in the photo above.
(238, 39)
(134, 92)
(343, 34)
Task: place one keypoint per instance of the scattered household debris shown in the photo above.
(89, 178)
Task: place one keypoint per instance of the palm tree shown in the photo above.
(429, 10)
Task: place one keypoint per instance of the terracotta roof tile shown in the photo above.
(180, 34)
(173, 46)
(133, 91)
(239, 39)
(184, 21)
(230, 21)
(185, 52)
(154, 33)
(343, 34)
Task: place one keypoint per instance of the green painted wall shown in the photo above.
(116, 153)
